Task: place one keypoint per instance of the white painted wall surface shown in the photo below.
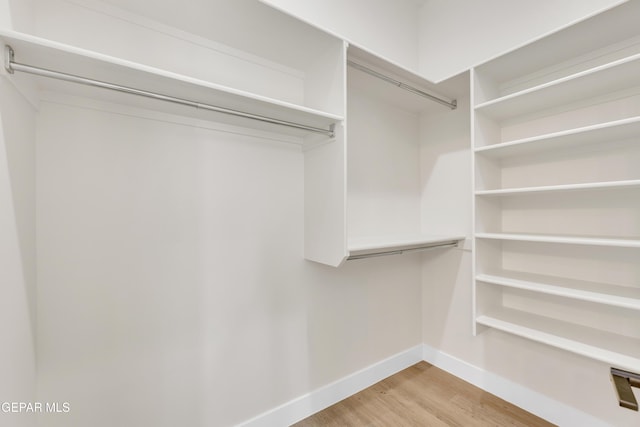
(456, 35)
(17, 14)
(17, 254)
(17, 236)
(172, 289)
(388, 28)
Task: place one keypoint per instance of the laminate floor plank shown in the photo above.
(423, 395)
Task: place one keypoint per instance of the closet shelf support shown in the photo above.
(11, 66)
(623, 381)
(451, 104)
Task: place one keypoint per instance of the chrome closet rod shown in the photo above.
(448, 244)
(451, 104)
(12, 66)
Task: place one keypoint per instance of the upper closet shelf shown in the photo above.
(600, 293)
(569, 46)
(366, 247)
(617, 130)
(611, 185)
(81, 72)
(598, 81)
(571, 240)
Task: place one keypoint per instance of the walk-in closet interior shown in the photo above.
(239, 212)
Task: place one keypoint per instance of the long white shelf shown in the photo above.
(597, 81)
(58, 57)
(574, 41)
(617, 130)
(370, 246)
(600, 293)
(572, 240)
(616, 350)
(611, 185)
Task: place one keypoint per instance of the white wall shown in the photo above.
(17, 253)
(172, 285)
(383, 173)
(388, 28)
(17, 14)
(456, 35)
(17, 236)
(172, 289)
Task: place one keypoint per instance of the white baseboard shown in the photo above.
(527, 399)
(304, 406)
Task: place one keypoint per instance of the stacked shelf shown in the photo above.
(602, 80)
(609, 348)
(557, 193)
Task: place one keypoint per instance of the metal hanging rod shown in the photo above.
(11, 66)
(451, 104)
(425, 247)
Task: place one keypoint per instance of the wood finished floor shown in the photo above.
(423, 395)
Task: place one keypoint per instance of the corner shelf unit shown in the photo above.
(555, 131)
(364, 192)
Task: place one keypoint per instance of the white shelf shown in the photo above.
(600, 293)
(612, 185)
(369, 246)
(616, 350)
(617, 130)
(601, 80)
(539, 238)
(573, 42)
(42, 53)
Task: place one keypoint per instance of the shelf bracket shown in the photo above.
(623, 381)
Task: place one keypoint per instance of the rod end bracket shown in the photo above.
(8, 58)
(332, 130)
(623, 381)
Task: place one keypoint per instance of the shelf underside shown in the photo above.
(599, 81)
(573, 240)
(590, 186)
(574, 41)
(600, 293)
(617, 350)
(603, 133)
(57, 57)
(370, 246)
